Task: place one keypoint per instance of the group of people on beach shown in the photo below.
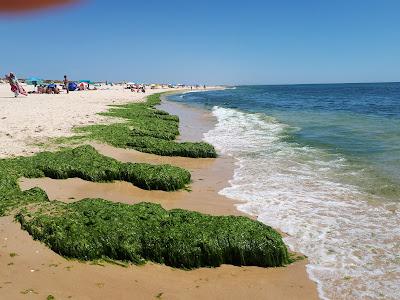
(138, 89)
(51, 88)
(68, 86)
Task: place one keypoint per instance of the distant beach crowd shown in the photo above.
(65, 86)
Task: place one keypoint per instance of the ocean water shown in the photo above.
(321, 163)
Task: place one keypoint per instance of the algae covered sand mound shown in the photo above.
(83, 162)
(145, 129)
(86, 163)
(97, 229)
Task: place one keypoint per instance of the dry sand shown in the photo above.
(37, 272)
(25, 121)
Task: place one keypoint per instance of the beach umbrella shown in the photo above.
(86, 81)
(34, 80)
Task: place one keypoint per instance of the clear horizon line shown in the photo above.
(352, 82)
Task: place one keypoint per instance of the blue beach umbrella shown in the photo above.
(34, 80)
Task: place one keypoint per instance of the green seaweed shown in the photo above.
(157, 146)
(145, 129)
(94, 229)
(82, 162)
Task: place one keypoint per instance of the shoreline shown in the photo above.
(209, 176)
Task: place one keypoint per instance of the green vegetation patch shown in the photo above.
(145, 129)
(157, 146)
(97, 229)
(82, 162)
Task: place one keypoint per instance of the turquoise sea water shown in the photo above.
(322, 163)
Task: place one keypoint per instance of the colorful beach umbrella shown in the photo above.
(34, 80)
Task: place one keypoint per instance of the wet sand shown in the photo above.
(38, 271)
(208, 177)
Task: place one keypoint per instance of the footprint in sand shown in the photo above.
(29, 291)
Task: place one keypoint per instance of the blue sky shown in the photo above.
(225, 42)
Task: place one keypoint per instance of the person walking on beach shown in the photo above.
(66, 83)
(16, 88)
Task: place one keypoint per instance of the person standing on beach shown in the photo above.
(66, 83)
(16, 88)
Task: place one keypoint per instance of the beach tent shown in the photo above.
(85, 81)
(72, 86)
(83, 85)
(130, 85)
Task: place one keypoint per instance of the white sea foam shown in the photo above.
(353, 246)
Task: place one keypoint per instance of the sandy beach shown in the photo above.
(166, 150)
(29, 269)
(26, 121)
